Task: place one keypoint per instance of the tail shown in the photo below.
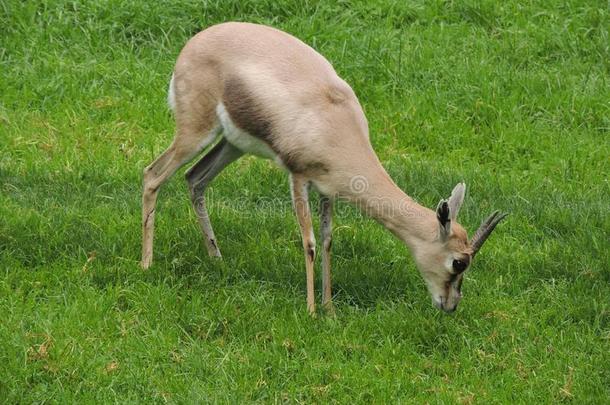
(171, 95)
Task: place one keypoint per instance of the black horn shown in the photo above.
(486, 228)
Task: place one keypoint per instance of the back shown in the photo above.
(275, 87)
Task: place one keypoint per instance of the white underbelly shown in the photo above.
(243, 140)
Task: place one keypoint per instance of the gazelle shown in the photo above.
(264, 92)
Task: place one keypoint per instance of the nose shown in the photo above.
(441, 304)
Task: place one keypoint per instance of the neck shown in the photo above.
(380, 198)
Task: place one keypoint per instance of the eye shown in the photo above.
(459, 266)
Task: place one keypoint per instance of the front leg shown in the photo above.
(300, 202)
(326, 228)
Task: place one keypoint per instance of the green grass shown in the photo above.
(510, 96)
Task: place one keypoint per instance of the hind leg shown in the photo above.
(198, 178)
(326, 226)
(189, 142)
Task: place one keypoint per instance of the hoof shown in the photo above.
(329, 310)
(145, 263)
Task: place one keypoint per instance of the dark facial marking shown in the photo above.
(459, 284)
(456, 281)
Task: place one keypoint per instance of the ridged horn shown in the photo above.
(486, 228)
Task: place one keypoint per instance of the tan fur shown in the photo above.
(281, 91)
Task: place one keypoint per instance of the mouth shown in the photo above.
(441, 304)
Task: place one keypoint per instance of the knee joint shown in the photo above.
(196, 189)
(310, 249)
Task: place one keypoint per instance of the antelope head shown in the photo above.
(443, 261)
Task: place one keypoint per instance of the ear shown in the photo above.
(456, 200)
(444, 221)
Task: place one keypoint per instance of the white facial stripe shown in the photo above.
(449, 262)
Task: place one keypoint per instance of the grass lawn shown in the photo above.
(512, 97)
